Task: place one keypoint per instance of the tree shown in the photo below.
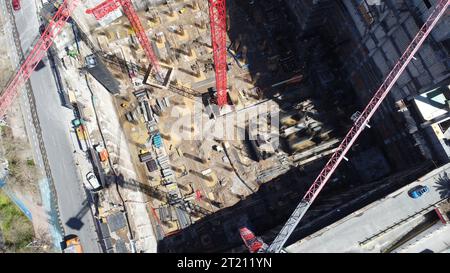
(22, 169)
(443, 185)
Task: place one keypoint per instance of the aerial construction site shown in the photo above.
(213, 125)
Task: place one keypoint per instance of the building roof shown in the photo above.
(432, 104)
(377, 225)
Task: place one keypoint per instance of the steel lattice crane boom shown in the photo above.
(108, 6)
(217, 11)
(52, 30)
(360, 123)
(217, 17)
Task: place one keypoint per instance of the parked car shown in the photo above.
(417, 191)
(91, 182)
(16, 4)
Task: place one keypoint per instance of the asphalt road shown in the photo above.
(375, 226)
(55, 123)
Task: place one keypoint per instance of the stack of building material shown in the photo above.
(157, 141)
(145, 157)
(151, 165)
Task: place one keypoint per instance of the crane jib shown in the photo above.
(37, 53)
(357, 127)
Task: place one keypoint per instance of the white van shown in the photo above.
(91, 182)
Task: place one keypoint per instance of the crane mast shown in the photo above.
(358, 126)
(39, 50)
(217, 17)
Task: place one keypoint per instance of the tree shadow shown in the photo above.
(443, 185)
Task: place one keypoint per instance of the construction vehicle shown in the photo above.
(16, 4)
(82, 137)
(102, 152)
(72, 244)
(81, 132)
(360, 123)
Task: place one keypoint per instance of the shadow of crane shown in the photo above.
(134, 185)
(75, 222)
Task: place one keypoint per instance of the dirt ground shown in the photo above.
(5, 63)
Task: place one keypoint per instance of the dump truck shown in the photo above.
(102, 152)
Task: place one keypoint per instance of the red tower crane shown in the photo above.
(37, 53)
(253, 243)
(218, 23)
(360, 123)
(108, 6)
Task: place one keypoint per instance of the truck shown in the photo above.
(102, 152)
(72, 244)
(81, 135)
(16, 4)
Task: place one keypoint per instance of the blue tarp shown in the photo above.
(157, 142)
